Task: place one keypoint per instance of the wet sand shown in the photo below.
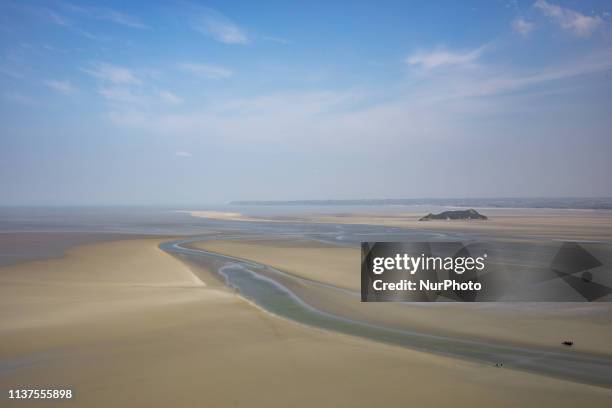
(125, 324)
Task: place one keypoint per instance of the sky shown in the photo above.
(160, 103)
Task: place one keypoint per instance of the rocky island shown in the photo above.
(470, 214)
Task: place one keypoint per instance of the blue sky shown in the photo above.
(207, 102)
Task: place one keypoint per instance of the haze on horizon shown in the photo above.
(204, 102)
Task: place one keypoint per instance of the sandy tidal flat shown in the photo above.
(124, 324)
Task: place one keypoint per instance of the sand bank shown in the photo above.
(91, 280)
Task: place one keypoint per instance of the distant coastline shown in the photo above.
(590, 203)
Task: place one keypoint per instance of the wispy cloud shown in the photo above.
(489, 82)
(444, 58)
(51, 48)
(89, 35)
(277, 40)
(55, 18)
(220, 28)
(107, 14)
(63, 87)
(169, 97)
(570, 20)
(11, 71)
(112, 74)
(46, 14)
(59, 19)
(121, 95)
(19, 98)
(183, 154)
(208, 71)
(522, 26)
(280, 116)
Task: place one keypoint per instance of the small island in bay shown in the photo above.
(470, 214)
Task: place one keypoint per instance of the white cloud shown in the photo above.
(113, 74)
(277, 40)
(118, 18)
(522, 26)
(489, 82)
(443, 58)
(183, 154)
(88, 35)
(63, 87)
(61, 20)
(44, 13)
(294, 116)
(56, 18)
(207, 70)
(19, 98)
(573, 21)
(126, 97)
(121, 95)
(220, 28)
(169, 97)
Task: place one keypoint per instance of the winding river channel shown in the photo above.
(271, 289)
